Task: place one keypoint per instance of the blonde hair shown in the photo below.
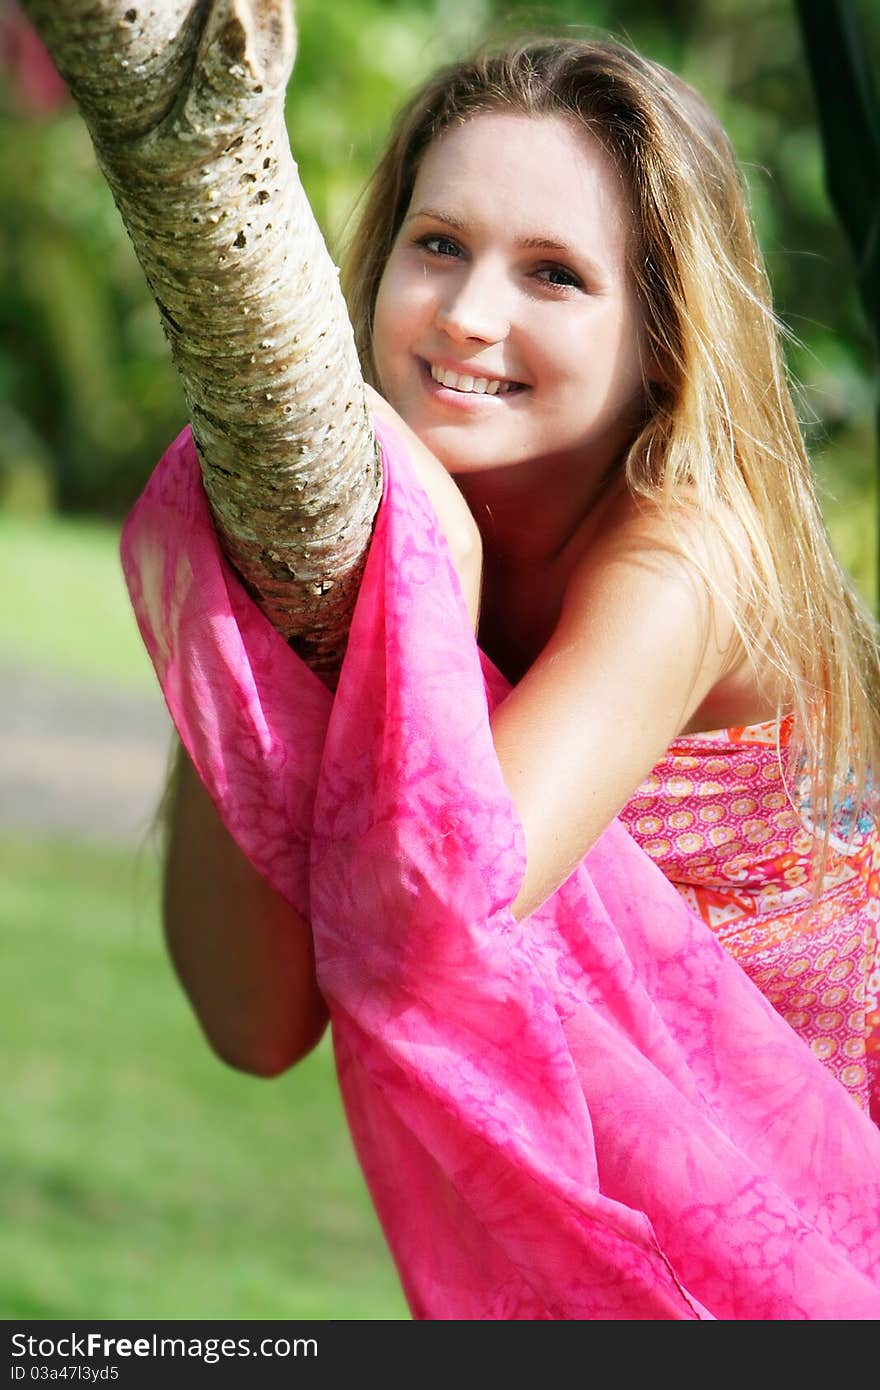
(721, 429)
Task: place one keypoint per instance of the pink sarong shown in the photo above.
(591, 1113)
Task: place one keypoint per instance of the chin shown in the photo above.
(459, 455)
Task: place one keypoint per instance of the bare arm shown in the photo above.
(242, 954)
(640, 649)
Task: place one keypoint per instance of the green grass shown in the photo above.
(63, 603)
(140, 1177)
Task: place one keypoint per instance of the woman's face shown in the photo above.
(506, 328)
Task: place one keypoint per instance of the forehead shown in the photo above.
(529, 175)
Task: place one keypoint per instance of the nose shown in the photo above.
(473, 308)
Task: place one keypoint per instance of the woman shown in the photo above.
(558, 295)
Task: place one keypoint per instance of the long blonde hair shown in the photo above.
(721, 429)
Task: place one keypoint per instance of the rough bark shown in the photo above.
(184, 101)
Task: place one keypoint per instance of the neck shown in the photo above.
(527, 514)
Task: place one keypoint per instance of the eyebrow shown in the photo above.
(539, 242)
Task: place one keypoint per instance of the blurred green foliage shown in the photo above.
(88, 398)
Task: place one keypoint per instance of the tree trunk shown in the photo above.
(184, 101)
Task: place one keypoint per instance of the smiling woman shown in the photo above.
(568, 1100)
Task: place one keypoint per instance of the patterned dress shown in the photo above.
(715, 816)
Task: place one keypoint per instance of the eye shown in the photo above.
(439, 245)
(559, 277)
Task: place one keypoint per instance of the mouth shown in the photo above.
(470, 385)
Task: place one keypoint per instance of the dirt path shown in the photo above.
(79, 759)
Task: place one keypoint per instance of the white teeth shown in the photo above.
(477, 385)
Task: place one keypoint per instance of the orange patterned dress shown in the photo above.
(715, 816)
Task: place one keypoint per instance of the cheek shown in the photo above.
(393, 308)
(616, 352)
(406, 295)
(401, 322)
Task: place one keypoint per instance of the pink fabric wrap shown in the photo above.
(588, 1114)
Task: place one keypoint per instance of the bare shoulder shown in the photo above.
(681, 578)
(675, 537)
(644, 554)
(454, 517)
